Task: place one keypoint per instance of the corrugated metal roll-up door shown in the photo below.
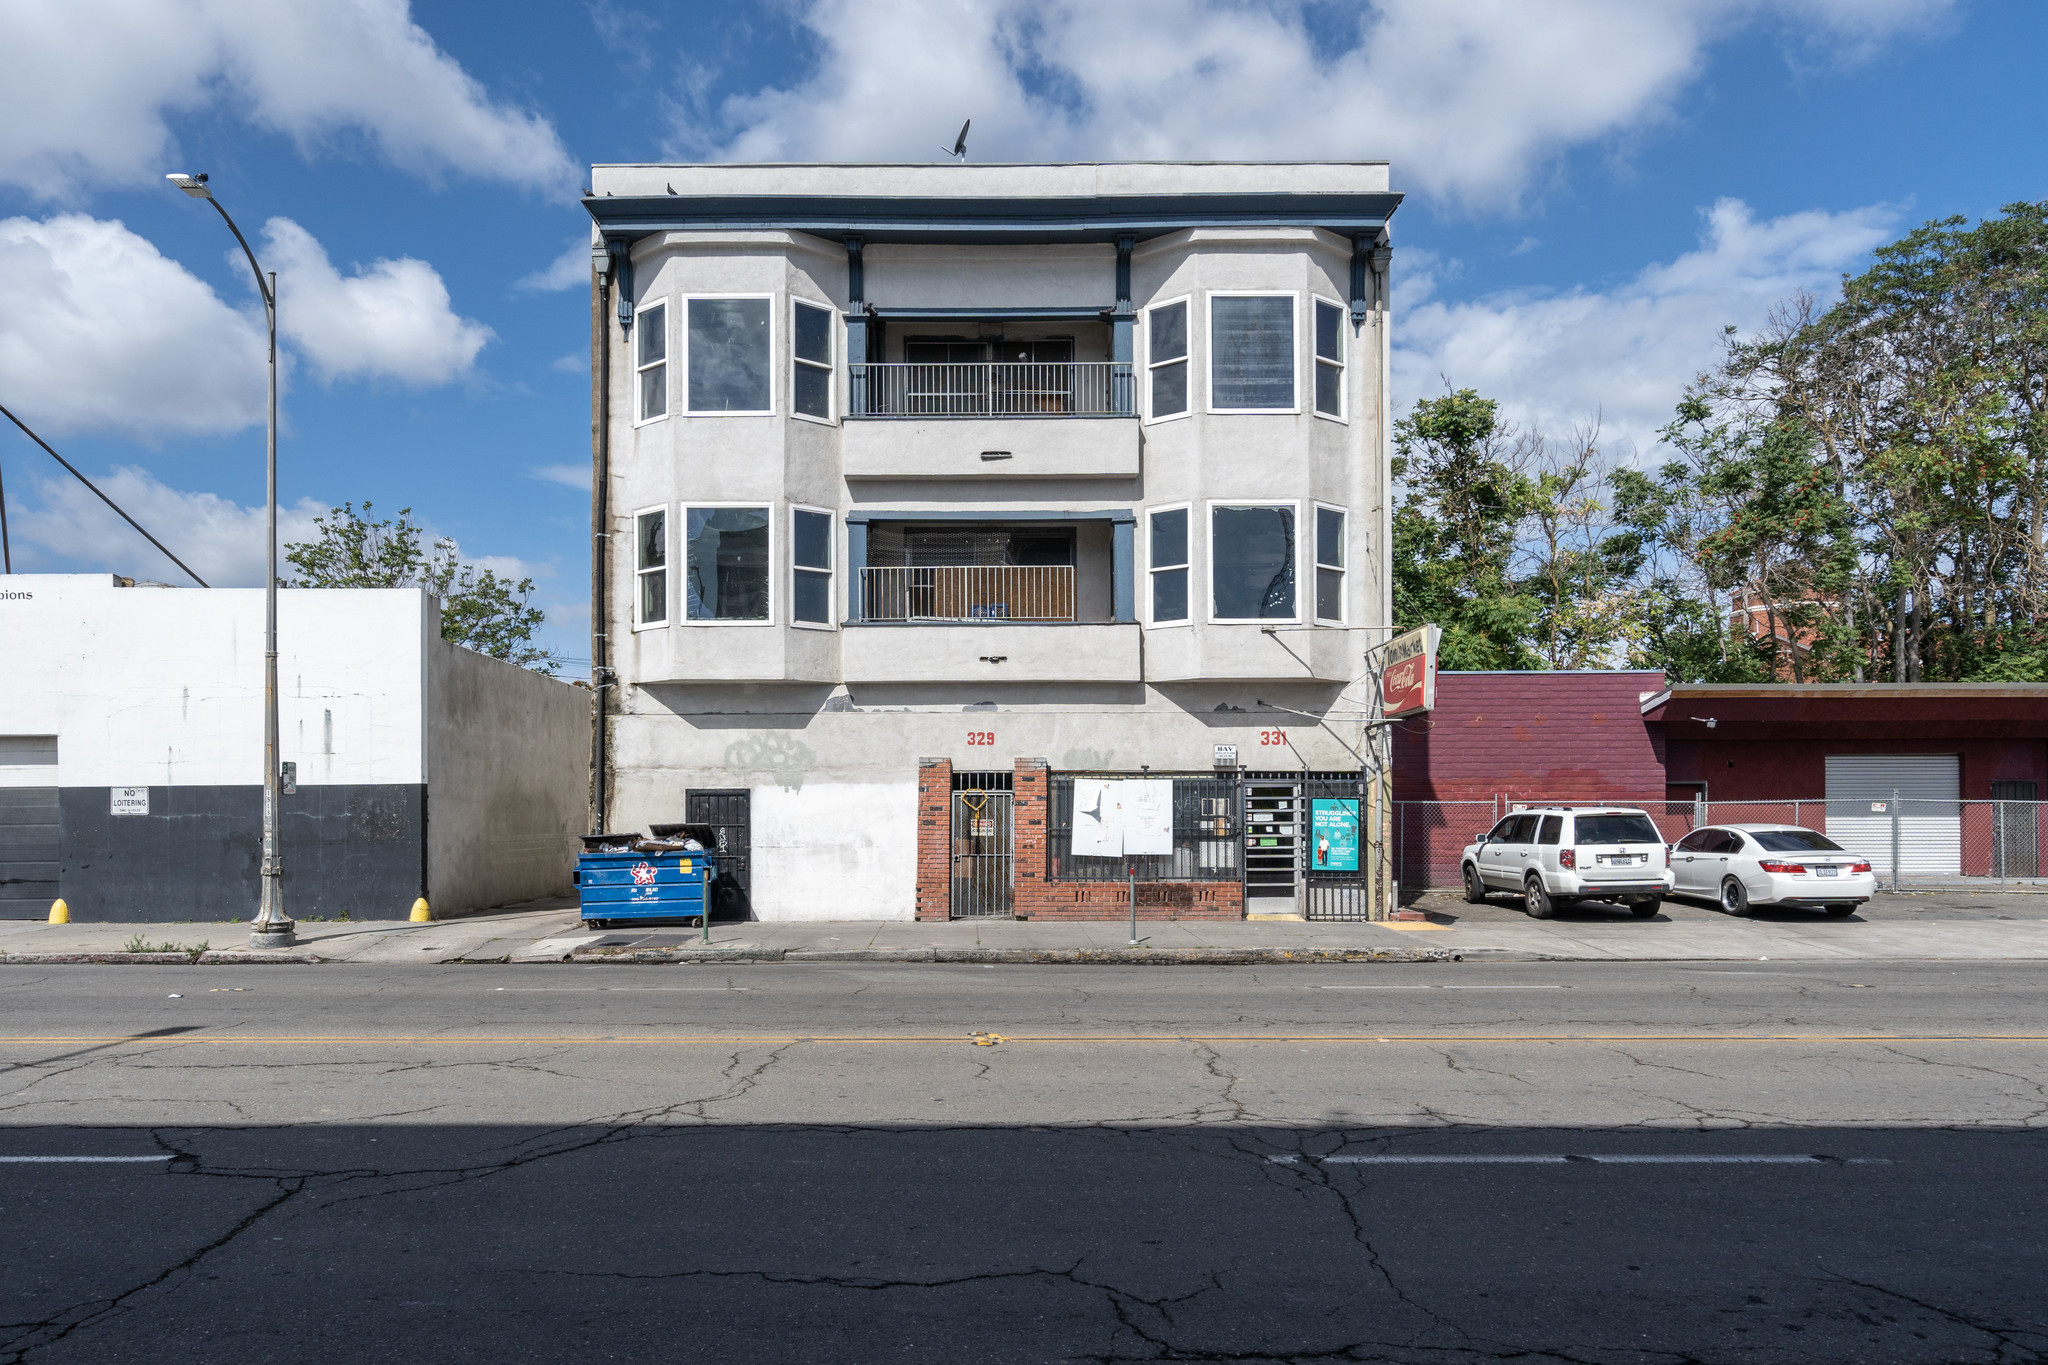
(28, 825)
(1927, 790)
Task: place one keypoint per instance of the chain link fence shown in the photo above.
(1911, 843)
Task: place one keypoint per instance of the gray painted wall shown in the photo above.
(508, 763)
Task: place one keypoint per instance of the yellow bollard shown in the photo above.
(60, 913)
(420, 913)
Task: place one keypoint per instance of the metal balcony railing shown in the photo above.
(993, 592)
(1087, 389)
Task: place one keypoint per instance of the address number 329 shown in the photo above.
(985, 737)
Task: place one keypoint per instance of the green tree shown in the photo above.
(1455, 531)
(480, 609)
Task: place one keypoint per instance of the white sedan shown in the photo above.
(1745, 866)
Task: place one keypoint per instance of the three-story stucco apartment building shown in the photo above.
(926, 496)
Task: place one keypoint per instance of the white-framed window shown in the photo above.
(728, 556)
(810, 567)
(1329, 359)
(1166, 563)
(650, 360)
(728, 354)
(1330, 557)
(650, 567)
(1251, 353)
(1252, 561)
(810, 361)
(1166, 360)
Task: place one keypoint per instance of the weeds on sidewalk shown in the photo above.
(139, 944)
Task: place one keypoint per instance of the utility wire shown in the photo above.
(101, 496)
(6, 550)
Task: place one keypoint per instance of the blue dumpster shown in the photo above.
(616, 885)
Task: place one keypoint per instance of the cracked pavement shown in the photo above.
(794, 1163)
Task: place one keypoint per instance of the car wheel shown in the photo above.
(1644, 909)
(1537, 899)
(1841, 911)
(1475, 890)
(1734, 897)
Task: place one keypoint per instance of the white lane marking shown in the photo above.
(535, 990)
(1445, 988)
(1597, 1159)
(80, 1160)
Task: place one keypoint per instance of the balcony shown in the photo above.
(969, 593)
(1066, 420)
(1063, 389)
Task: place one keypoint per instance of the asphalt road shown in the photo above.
(1446, 1163)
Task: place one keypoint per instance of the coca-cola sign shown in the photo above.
(1408, 682)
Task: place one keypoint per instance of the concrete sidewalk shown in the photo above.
(551, 932)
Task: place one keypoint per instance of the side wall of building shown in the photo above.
(1533, 736)
(508, 769)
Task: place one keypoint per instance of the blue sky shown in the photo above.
(1594, 190)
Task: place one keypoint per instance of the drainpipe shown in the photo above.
(602, 264)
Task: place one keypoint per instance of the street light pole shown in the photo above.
(272, 928)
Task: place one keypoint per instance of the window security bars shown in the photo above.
(990, 592)
(1067, 389)
(1206, 845)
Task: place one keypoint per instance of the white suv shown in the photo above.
(1554, 855)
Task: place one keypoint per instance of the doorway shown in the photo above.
(730, 813)
(983, 849)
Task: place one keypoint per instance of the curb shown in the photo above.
(1063, 957)
(207, 959)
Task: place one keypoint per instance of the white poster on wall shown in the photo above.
(1147, 808)
(1097, 831)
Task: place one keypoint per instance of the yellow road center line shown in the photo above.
(245, 1040)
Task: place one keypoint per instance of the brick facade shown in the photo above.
(1034, 894)
(934, 838)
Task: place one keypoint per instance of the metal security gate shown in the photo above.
(1901, 811)
(2015, 830)
(983, 856)
(1336, 856)
(1272, 845)
(730, 812)
(29, 840)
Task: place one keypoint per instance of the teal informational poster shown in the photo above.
(1333, 827)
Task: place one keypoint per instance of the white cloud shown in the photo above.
(389, 320)
(71, 530)
(1626, 354)
(1468, 100)
(86, 87)
(576, 362)
(576, 476)
(100, 332)
(570, 270)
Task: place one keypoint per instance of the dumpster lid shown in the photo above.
(611, 843)
(706, 835)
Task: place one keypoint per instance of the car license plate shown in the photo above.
(1622, 860)
(1827, 871)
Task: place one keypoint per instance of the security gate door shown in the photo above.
(1336, 856)
(982, 857)
(1272, 845)
(730, 812)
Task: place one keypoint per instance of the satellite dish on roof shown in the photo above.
(959, 152)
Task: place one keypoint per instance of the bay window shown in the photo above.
(1166, 365)
(726, 354)
(1166, 560)
(810, 361)
(1251, 561)
(1330, 564)
(1251, 353)
(1329, 359)
(810, 567)
(650, 360)
(726, 559)
(650, 566)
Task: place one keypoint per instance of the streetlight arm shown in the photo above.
(269, 300)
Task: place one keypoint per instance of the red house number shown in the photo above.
(981, 737)
(1272, 739)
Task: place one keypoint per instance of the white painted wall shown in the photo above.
(164, 686)
(835, 850)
